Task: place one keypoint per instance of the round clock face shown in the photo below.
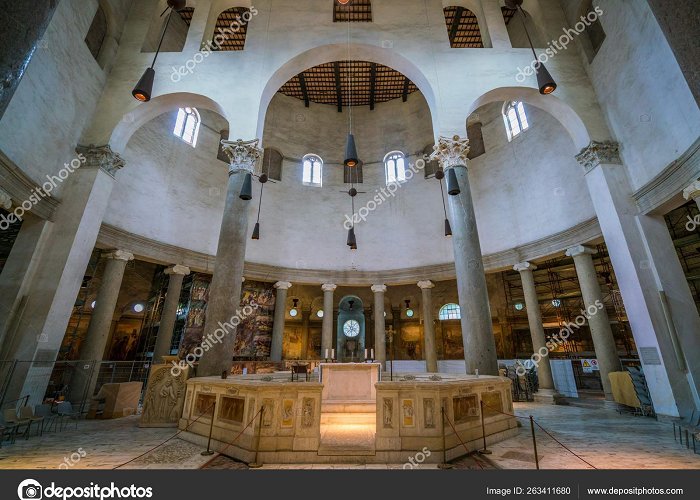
(351, 328)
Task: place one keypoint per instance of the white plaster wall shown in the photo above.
(57, 96)
(523, 191)
(642, 91)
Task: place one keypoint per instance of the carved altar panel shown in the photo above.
(493, 403)
(408, 413)
(307, 412)
(429, 417)
(465, 408)
(164, 398)
(231, 409)
(287, 413)
(388, 412)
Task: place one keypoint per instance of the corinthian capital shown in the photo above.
(243, 155)
(5, 200)
(451, 152)
(599, 152)
(101, 157)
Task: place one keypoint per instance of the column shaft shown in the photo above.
(169, 314)
(278, 325)
(42, 322)
(428, 330)
(305, 317)
(327, 325)
(226, 285)
(95, 342)
(599, 323)
(534, 318)
(379, 324)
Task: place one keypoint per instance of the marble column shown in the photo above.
(24, 24)
(379, 324)
(17, 274)
(278, 325)
(692, 192)
(477, 332)
(305, 318)
(225, 290)
(327, 325)
(41, 324)
(646, 265)
(169, 315)
(534, 318)
(95, 342)
(429, 346)
(599, 323)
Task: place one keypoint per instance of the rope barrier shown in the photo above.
(237, 436)
(546, 432)
(169, 439)
(459, 438)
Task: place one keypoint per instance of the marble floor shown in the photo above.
(599, 435)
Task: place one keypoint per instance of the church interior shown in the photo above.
(389, 234)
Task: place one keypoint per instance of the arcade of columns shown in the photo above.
(77, 223)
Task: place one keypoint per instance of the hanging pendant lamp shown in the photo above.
(351, 156)
(545, 83)
(144, 88)
(453, 188)
(247, 189)
(352, 241)
(440, 175)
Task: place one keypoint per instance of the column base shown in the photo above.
(548, 396)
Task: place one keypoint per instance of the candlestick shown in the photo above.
(365, 353)
(326, 353)
(372, 353)
(332, 353)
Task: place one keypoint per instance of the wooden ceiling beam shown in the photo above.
(406, 84)
(304, 90)
(455, 23)
(338, 90)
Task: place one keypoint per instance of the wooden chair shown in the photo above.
(11, 418)
(301, 368)
(27, 413)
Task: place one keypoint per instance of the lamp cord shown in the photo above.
(522, 18)
(162, 37)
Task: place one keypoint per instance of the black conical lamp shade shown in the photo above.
(352, 242)
(256, 231)
(448, 228)
(247, 189)
(351, 156)
(143, 90)
(545, 82)
(452, 184)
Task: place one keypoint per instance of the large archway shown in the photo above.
(337, 52)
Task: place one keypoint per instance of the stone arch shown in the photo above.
(337, 52)
(554, 106)
(143, 113)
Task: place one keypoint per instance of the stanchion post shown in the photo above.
(485, 451)
(444, 464)
(256, 464)
(211, 429)
(534, 442)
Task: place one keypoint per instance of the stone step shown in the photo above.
(348, 418)
(348, 407)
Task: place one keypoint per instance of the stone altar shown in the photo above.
(349, 387)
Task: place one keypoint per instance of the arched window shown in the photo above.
(395, 167)
(313, 170)
(514, 118)
(187, 125)
(450, 311)
(97, 32)
(462, 28)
